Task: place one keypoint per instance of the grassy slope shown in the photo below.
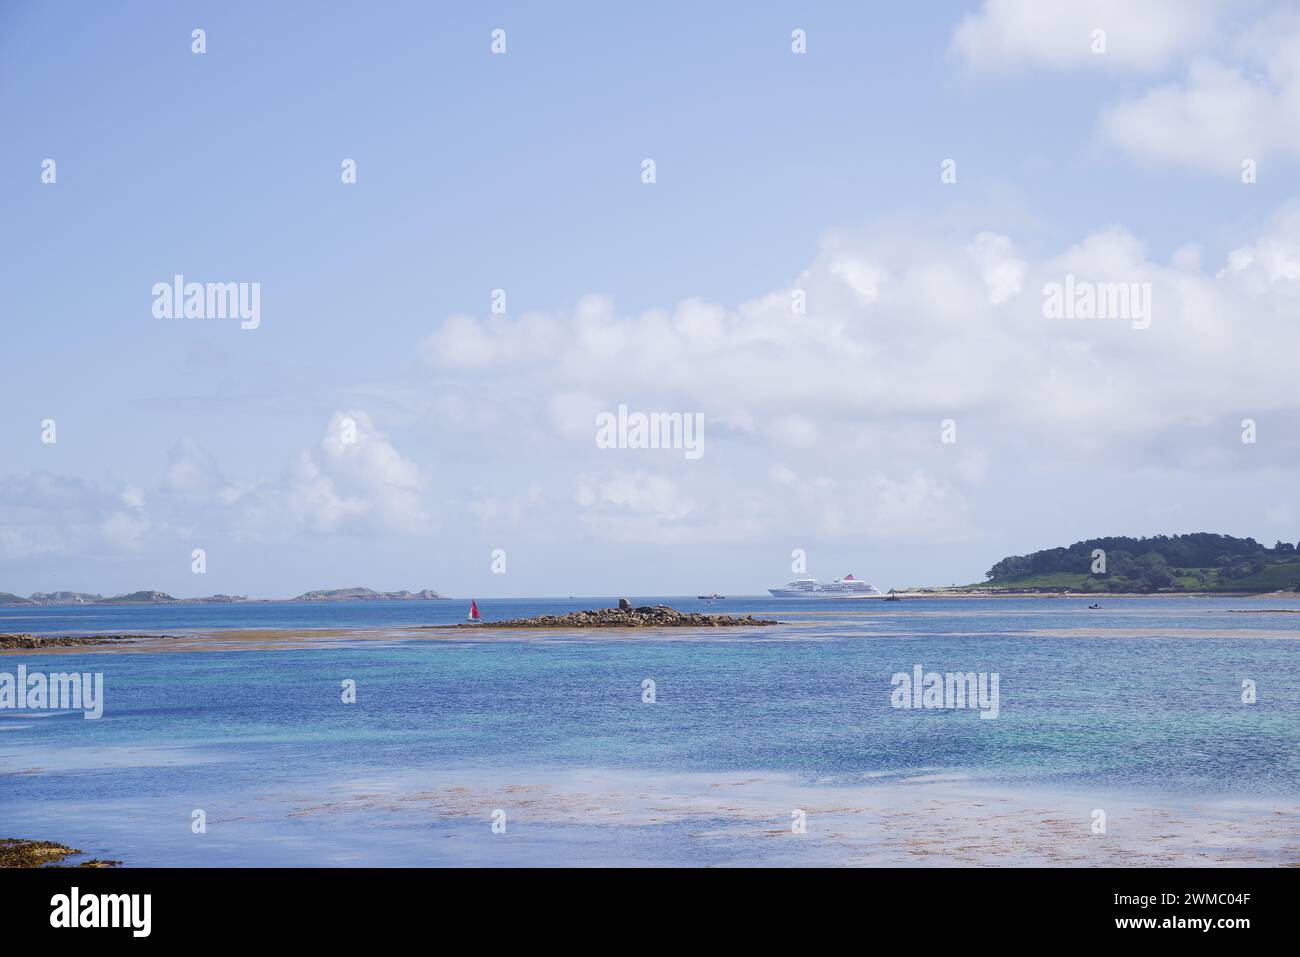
(1071, 580)
(1284, 576)
(1281, 576)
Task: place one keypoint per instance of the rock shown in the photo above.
(625, 616)
(36, 642)
(16, 852)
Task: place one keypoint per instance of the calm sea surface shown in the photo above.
(1141, 696)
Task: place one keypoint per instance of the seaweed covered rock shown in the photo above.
(644, 616)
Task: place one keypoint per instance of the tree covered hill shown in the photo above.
(1200, 561)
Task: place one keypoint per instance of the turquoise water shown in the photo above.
(250, 735)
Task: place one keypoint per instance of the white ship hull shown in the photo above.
(791, 593)
(847, 587)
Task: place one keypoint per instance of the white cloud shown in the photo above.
(848, 398)
(361, 488)
(190, 468)
(46, 514)
(1213, 119)
(863, 278)
(1233, 89)
(1058, 34)
(357, 479)
(824, 424)
(125, 531)
(1272, 264)
(314, 499)
(644, 507)
(1003, 273)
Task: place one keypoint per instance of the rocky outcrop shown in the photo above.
(65, 598)
(16, 852)
(645, 616)
(139, 598)
(36, 642)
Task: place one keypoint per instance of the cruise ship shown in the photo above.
(846, 587)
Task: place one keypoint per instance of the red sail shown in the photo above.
(473, 609)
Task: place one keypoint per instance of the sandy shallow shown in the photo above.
(233, 639)
(614, 817)
(913, 822)
(243, 639)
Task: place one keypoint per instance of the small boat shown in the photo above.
(1094, 606)
(473, 612)
(891, 596)
(714, 597)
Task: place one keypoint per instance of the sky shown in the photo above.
(839, 267)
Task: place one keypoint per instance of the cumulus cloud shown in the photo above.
(1058, 34)
(360, 485)
(1271, 265)
(643, 506)
(358, 475)
(190, 468)
(1003, 273)
(783, 505)
(44, 514)
(1231, 90)
(1215, 118)
(829, 420)
(822, 423)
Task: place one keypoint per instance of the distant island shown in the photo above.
(162, 598)
(365, 594)
(1197, 562)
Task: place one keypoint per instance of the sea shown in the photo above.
(1172, 722)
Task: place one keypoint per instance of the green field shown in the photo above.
(1283, 576)
(1056, 581)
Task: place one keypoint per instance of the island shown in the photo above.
(162, 598)
(366, 594)
(625, 616)
(1196, 563)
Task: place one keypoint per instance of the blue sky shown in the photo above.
(520, 172)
